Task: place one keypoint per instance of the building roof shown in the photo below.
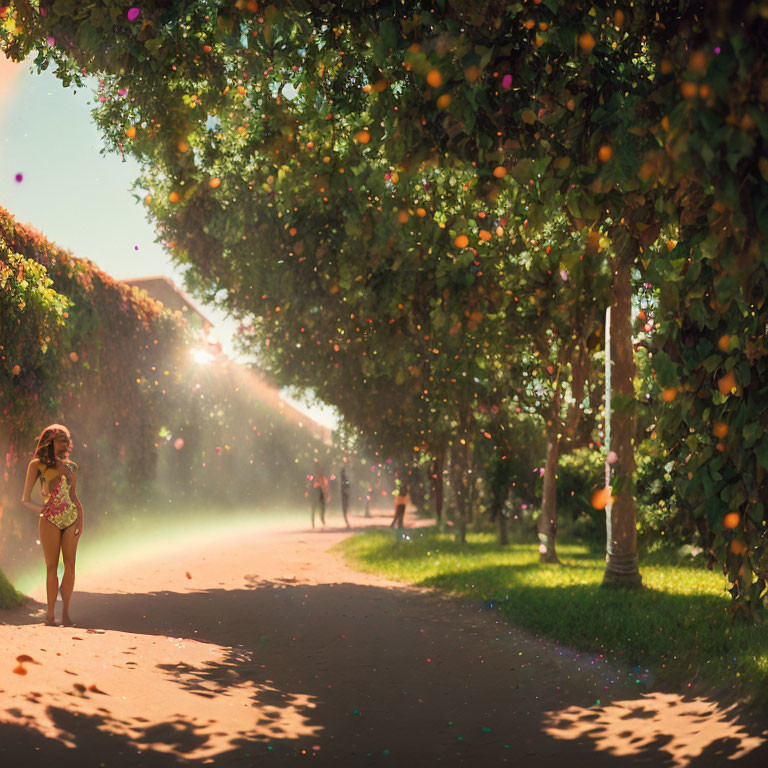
(163, 289)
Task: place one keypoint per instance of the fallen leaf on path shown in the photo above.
(20, 670)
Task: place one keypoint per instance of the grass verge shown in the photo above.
(677, 628)
(9, 596)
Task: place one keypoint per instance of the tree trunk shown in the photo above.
(459, 489)
(547, 525)
(438, 462)
(501, 520)
(621, 568)
(417, 492)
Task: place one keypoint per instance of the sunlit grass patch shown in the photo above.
(678, 626)
(9, 596)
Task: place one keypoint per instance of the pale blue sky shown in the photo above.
(77, 197)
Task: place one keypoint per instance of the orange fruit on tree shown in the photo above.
(738, 547)
(724, 343)
(363, 136)
(485, 235)
(402, 216)
(173, 197)
(689, 89)
(130, 131)
(214, 182)
(605, 153)
(183, 146)
(727, 383)
(732, 520)
(586, 42)
(422, 212)
(601, 498)
(443, 101)
(499, 171)
(669, 394)
(462, 241)
(719, 429)
(434, 78)
(472, 73)
(147, 199)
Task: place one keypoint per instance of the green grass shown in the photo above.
(9, 597)
(677, 627)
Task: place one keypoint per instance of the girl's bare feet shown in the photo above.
(50, 622)
(66, 621)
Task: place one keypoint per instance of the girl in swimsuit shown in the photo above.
(61, 516)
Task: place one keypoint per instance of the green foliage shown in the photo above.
(149, 425)
(290, 151)
(9, 597)
(579, 474)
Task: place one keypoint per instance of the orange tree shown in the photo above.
(201, 79)
(564, 98)
(710, 355)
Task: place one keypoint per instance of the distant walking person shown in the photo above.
(368, 495)
(61, 516)
(320, 497)
(344, 495)
(401, 500)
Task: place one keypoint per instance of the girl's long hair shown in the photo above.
(44, 450)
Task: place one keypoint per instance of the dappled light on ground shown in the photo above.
(685, 728)
(199, 705)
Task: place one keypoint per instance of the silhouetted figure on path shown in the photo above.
(320, 497)
(401, 500)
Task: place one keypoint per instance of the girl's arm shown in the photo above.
(29, 484)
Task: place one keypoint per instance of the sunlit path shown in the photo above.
(262, 643)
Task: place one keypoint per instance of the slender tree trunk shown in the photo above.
(471, 488)
(438, 462)
(547, 525)
(459, 489)
(417, 492)
(501, 520)
(621, 568)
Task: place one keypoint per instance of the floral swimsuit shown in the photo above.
(59, 508)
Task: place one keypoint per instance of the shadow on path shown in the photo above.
(369, 675)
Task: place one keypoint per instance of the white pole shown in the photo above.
(608, 421)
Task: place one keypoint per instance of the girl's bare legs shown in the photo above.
(50, 538)
(68, 550)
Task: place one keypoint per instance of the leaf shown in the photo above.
(761, 451)
(751, 433)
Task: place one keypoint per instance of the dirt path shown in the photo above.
(263, 648)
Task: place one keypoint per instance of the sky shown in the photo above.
(77, 196)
